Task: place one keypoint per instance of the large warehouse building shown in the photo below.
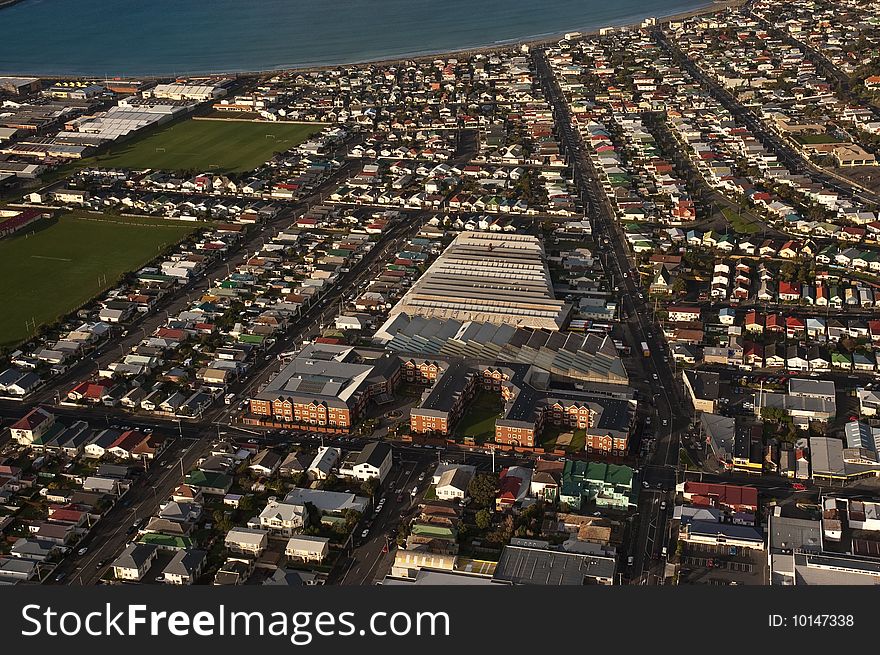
(490, 278)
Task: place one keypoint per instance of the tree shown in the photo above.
(774, 414)
(483, 488)
(483, 519)
(221, 521)
(313, 515)
(370, 486)
(246, 503)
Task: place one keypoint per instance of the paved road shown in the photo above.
(125, 337)
(114, 529)
(786, 153)
(655, 377)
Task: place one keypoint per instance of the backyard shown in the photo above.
(479, 420)
(48, 272)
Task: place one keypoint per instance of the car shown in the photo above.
(365, 533)
(797, 486)
(101, 563)
(421, 476)
(630, 560)
(710, 563)
(60, 578)
(662, 504)
(664, 551)
(659, 485)
(82, 551)
(645, 484)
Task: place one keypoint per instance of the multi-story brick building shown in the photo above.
(421, 371)
(444, 403)
(528, 407)
(327, 386)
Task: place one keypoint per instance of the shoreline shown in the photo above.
(710, 7)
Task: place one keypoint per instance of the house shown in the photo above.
(210, 482)
(36, 550)
(680, 314)
(374, 461)
(266, 462)
(451, 481)
(31, 426)
(185, 567)
(248, 541)
(134, 562)
(282, 519)
(788, 291)
(307, 549)
(100, 442)
(324, 462)
(294, 464)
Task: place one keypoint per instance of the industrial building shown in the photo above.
(491, 278)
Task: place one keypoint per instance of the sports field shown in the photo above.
(49, 272)
(207, 146)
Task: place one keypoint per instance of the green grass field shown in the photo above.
(49, 272)
(207, 146)
(817, 138)
(479, 419)
(739, 222)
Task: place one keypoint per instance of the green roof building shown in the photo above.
(608, 485)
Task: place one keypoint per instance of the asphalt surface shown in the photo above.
(653, 377)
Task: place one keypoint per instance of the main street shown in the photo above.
(655, 379)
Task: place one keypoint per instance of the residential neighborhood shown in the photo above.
(599, 310)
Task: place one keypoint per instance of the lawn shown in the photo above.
(740, 223)
(817, 138)
(50, 271)
(573, 441)
(206, 146)
(479, 420)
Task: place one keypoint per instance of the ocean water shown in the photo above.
(168, 37)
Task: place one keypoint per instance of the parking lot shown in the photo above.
(721, 565)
